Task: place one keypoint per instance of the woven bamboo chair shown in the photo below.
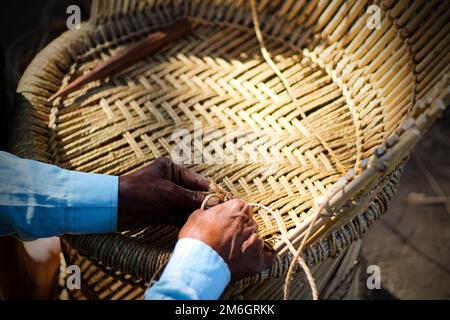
(364, 93)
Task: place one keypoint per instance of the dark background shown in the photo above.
(26, 26)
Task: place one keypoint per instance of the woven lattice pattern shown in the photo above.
(355, 84)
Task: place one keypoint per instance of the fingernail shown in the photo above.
(212, 202)
(250, 212)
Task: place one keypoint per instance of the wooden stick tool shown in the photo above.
(151, 44)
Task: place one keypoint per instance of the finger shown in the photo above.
(242, 217)
(251, 211)
(235, 205)
(238, 226)
(212, 202)
(183, 198)
(263, 261)
(188, 179)
(248, 231)
(253, 245)
(248, 211)
(251, 222)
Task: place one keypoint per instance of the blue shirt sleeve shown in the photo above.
(194, 272)
(39, 200)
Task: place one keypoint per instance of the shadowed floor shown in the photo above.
(411, 243)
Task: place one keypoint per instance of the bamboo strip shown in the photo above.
(365, 91)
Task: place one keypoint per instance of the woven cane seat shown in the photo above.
(366, 94)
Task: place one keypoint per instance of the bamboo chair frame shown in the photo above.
(369, 93)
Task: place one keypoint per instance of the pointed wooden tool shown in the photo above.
(151, 44)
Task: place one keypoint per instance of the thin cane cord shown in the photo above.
(207, 198)
(219, 193)
(269, 61)
(157, 272)
(281, 226)
(302, 244)
(277, 71)
(296, 253)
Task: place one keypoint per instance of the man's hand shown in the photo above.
(163, 192)
(233, 234)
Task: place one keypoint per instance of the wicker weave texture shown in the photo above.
(368, 92)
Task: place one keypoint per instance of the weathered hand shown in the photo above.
(229, 230)
(163, 192)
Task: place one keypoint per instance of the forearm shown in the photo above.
(40, 200)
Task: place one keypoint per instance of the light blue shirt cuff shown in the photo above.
(194, 272)
(92, 203)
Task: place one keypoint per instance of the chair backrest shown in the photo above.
(367, 80)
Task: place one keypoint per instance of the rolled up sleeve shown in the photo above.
(194, 272)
